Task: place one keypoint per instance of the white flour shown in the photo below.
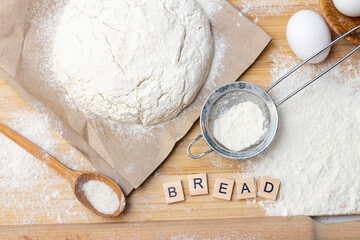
(316, 152)
(48, 15)
(266, 7)
(211, 7)
(135, 61)
(101, 196)
(319, 176)
(240, 127)
(259, 9)
(23, 176)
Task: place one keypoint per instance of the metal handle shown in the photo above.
(200, 155)
(307, 60)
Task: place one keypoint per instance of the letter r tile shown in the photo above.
(198, 184)
(269, 188)
(173, 192)
(223, 188)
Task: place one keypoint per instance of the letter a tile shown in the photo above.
(246, 188)
(173, 192)
(223, 188)
(269, 188)
(198, 184)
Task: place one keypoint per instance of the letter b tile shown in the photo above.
(269, 188)
(223, 188)
(173, 192)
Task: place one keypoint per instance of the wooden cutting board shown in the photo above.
(279, 228)
(148, 203)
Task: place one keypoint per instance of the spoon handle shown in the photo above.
(40, 154)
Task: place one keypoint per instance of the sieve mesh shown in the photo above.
(233, 98)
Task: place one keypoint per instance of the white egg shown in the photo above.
(307, 32)
(349, 8)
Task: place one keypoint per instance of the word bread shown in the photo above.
(223, 188)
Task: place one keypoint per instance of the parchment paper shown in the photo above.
(125, 154)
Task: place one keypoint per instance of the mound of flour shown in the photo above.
(136, 61)
(240, 127)
(316, 151)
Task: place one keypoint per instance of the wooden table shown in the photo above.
(147, 204)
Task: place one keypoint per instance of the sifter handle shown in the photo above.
(200, 155)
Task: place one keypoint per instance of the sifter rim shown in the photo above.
(239, 86)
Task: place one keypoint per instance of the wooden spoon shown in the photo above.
(75, 178)
(340, 23)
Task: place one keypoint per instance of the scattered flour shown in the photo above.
(211, 7)
(316, 151)
(23, 176)
(101, 196)
(240, 127)
(308, 155)
(266, 7)
(230, 235)
(259, 9)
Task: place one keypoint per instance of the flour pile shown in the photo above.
(135, 62)
(316, 152)
(240, 127)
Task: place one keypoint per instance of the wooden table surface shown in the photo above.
(148, 203)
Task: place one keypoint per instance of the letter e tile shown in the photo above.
(223, 188)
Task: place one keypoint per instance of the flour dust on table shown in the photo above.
(260, 8)
(23, 176)
(134, 62)
(316, 152)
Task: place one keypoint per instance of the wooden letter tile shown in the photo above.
(198, 184)
(173, 192)
(223, 188)
(246, 188)
(269, 188)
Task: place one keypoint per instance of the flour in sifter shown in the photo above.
(240, 127)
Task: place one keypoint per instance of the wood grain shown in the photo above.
(148, 203)
(279, 228)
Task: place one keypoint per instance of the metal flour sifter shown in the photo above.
(234, 93)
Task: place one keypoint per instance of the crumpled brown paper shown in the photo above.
(126, 155)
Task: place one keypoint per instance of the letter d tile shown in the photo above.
(269, 188)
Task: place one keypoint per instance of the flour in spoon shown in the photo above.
(240, 127)
(102, 197)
